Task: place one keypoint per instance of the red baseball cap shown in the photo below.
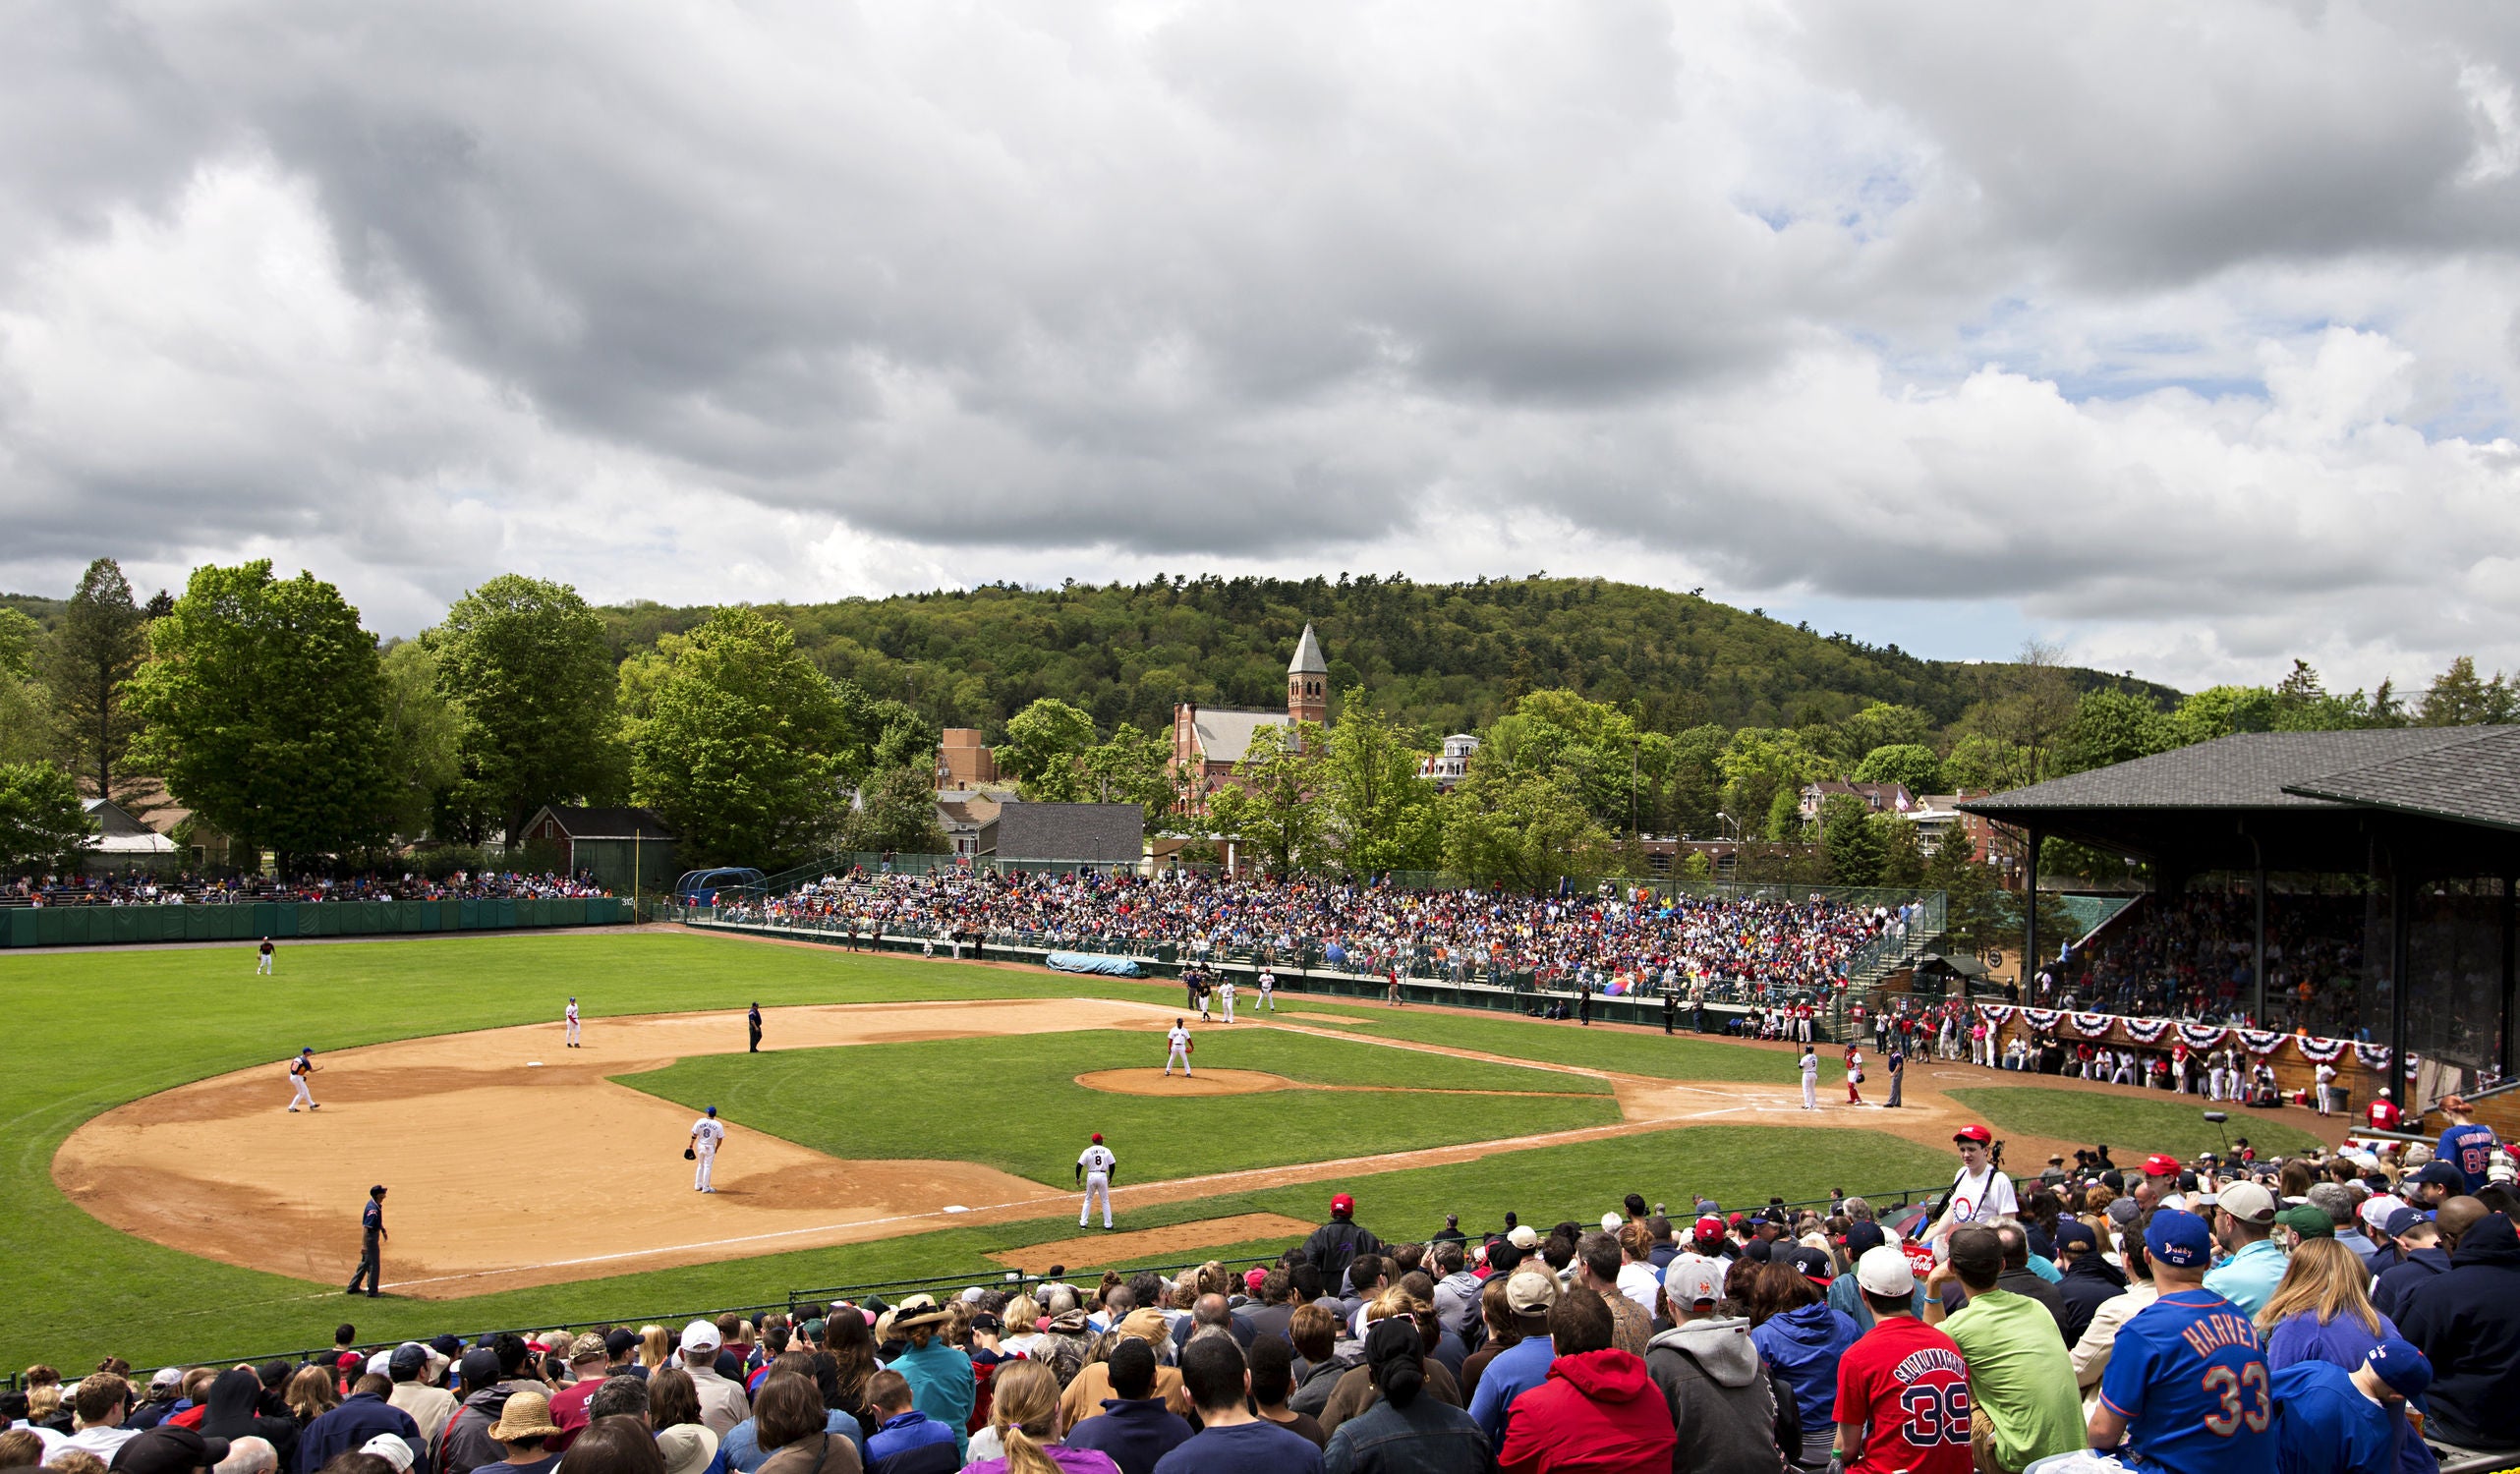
(1342, 1202)
(2162, 1164)
(1708, 1227)
(1973, 1132)
(1098, 1138)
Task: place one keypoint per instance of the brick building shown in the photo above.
(963, 761)
(1207, 742)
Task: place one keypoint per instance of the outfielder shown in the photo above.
(1268, 989)
(1811, 1078)
(298, 1068)
(262, 965)
(1093, 1169)
(1224, 996)
(1178, 1041)
(572, 1016)
(705, 1133)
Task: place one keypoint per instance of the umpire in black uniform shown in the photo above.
(371, 1244)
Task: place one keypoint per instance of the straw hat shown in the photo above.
(688, 1448)
(528, 1415)
(918, 1310)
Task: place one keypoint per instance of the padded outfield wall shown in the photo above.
(123, 926)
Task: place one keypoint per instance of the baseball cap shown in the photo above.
(168, 1449)
(447, 1346)
(621, 1339)
(1098, 1138)
(380, 1364)
(2180, 1238)
(1973, 1132)
(1693, 1280)
(167, 1377)
(1708, 1230)
(2248, 1203)
(390, 1448)
(2401, 1366)
(1531, 1292)
(1864, 1235)
(589, 1347)
(1812, 1263)
(1253, 1278)
(2441, 1174)
(2308, 1222)
(2162, 1164)
(2074, 1234)
(410, 1357)
(480, 1367)
(1884, 1270)
(2122, 1211)
(1339, 1202)
(2403, 1221)
(1524, 1236)
(2378, 1209)
(700, 1335)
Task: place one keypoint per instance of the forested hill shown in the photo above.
(1448, 657)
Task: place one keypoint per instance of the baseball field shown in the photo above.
(905, 1118)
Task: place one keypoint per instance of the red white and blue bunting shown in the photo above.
(2094, 1025)
(1995, 1013)
(2260, 1042)
(2040, 1020)
(2144, 1030)
(2203, 1035)
(2321, 1051)
(2152, 1031)
(2374, 1056)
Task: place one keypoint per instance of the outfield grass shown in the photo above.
(1674, 1056)
(90, 1030)
(1014, 1105)
(2130, 1127)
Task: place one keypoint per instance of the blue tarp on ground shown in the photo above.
(1091, 962)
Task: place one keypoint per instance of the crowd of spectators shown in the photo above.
(1620, 941)
(1992, 1330)
(2192, 957)
(146, 888)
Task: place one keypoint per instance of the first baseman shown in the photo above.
(298, 1068)
(1179, 1040)
(572, 1015)
(705, 1133)
(1094, 1168)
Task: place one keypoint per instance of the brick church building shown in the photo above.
(1207, 742)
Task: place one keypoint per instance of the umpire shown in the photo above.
(371, 1244)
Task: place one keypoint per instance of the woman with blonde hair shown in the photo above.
(2320, 1310)
(310, 1395)
(655, 1348)
(1024, 1429)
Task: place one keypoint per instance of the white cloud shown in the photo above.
(2184, 335)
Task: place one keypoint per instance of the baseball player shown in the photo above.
(753, 1026)
(298, 1068)
(706, 1134)
(572, 1016)
(371, 1244)
(1811, 1078)
(1178, 1041)
(1853, 1075)
(1268, 989)
(263, 964)
(1207, 990)
(2326, 1087)
(1094, 1169)
(1224, 996)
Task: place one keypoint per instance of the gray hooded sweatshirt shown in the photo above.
(1721, 1404)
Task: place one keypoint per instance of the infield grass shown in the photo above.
(1674, 1056)
(2131, 1127)
(91, 1029)
(1014, 1103)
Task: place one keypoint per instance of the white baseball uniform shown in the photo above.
(705, 1133)
(1097, 1161)
(2327, 1078)
(573, 1023)
(1269, 991)
(1179, 1040)
(1811, 1082)
(1224, 995)
(298, 1068)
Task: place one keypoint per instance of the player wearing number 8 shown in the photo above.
(2187, 1386)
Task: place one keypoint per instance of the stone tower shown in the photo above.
(1308, 682)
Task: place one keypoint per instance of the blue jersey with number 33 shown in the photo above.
(2190, 1379)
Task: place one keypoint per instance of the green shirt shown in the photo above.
(2020, 1375)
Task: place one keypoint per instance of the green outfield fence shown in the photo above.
(125, 926)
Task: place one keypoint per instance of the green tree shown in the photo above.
(2221, 710)
(262, 703)
(1693, 792)
(739, 742)
(2111, 727)
(1758, 766)
(1979, 763)
(99, 644)
(1883, 724)
(1912, 764)
(2028, 713)
(524, 666)
(1853, 847)
(421, 737)
(1785, 815)
(41, 817)
(25, 715)
(896, 812)
(1593, 745)
(1370, 785)
(1273, 810)
(1522, 830)
(1903, 861)
(2459, 698)
(20, 636)
(2303, 704)
(1045, 750)
(1134, 767)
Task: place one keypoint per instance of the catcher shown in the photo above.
(1179, 1040)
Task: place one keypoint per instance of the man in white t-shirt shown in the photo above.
(706, 1133)
(1179, 1042)
(1811, 1078)
(1979, 1194)
(1094, 1171)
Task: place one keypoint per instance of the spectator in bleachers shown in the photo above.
(2467, 1323)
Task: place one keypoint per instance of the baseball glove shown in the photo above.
(690, 1154)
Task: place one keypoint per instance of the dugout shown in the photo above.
(2404, 845)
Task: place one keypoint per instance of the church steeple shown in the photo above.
(1308, 682)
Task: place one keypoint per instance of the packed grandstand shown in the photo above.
(1739, 1342)
(182, 889)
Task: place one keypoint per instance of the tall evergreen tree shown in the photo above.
(99, 643)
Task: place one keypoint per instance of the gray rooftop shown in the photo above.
(2245, 770)
(1225, 734)
(1071, 831)
(1308, 660)
(2474, 778)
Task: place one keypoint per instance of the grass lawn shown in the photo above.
(1677, 1056)
(90, 1030)
(2132, 1128)
(1014, 1103)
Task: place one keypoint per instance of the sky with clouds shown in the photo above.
(2186, 337)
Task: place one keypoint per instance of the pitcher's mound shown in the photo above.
(1204, 1083)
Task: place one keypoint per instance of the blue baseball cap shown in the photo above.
(2402, 1221)
(2074, 1234)
(2401, 1366)
(713, 1110)
(2178, 1238)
